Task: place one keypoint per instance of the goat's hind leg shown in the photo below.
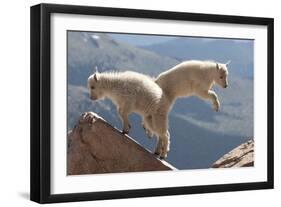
(165, 144)
(160, 124)
(124, 118)
(158, 147)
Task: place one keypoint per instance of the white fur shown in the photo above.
(134, 92)
(194, 78)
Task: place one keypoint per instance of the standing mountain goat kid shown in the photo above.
(194, 78)
(134, 92)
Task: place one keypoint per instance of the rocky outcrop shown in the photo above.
(94, 146)
(241, 156)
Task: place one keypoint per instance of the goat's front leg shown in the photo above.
(158, 147)
(125, 120)
(212, 96)
(147, 125)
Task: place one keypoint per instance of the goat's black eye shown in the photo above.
(221, 77)
(92, 87)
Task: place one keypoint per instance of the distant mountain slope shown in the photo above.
(88, 50)
(141, 39)
(240, 52)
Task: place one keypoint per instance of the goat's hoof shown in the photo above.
(157, 153)
(216, 108)
(162, 157)
(126, 129)
(125, 132)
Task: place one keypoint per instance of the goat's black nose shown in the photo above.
(225, 86)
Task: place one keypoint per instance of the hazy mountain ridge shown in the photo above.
(238, 51)
(88, 50)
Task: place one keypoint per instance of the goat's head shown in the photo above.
(221, 77)
(95, 90)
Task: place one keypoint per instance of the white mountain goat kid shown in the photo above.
(134, 92)
(194, 78)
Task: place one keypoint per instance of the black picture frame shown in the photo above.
(41, 98)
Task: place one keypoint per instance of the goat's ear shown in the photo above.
(227, 63)
(96, 68)
(217, 66)
(96, 78)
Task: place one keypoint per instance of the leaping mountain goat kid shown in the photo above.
(194, 78)
(134, 92)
